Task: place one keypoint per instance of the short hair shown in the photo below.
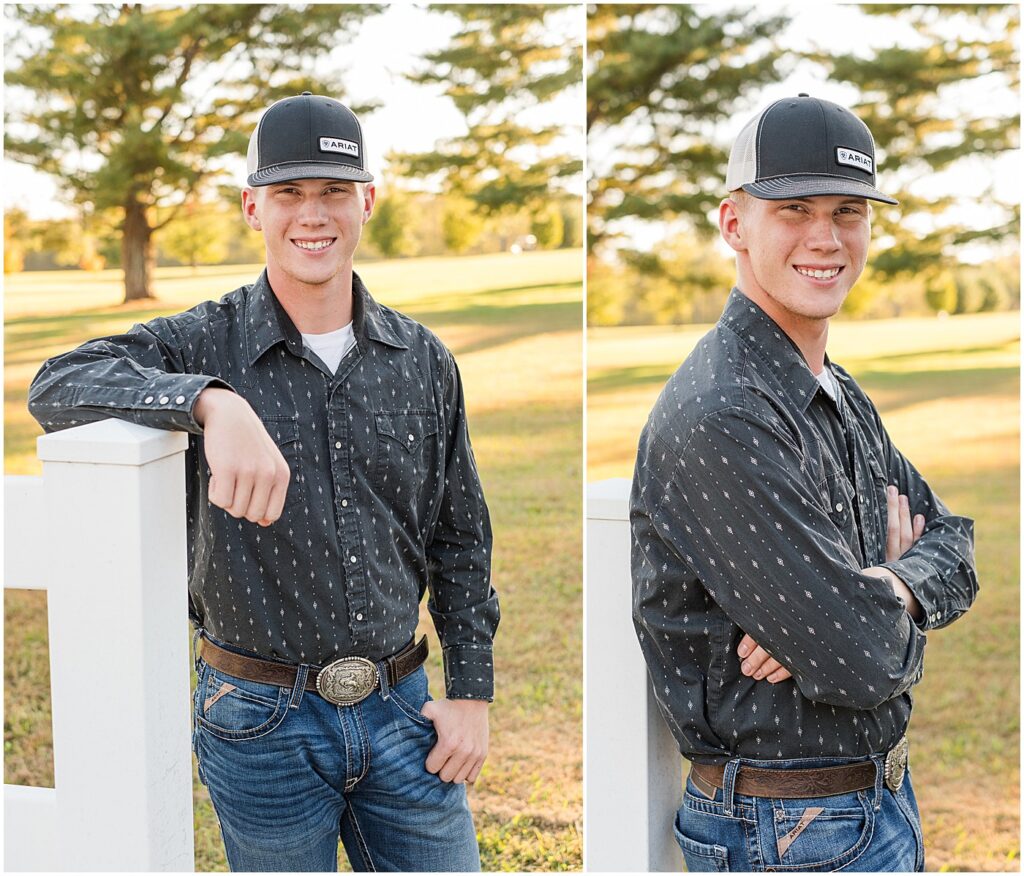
(741, 198)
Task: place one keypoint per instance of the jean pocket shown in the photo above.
(410, 695)
(824, 833)
(701, 857)
(237, 709)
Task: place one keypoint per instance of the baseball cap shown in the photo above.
(306, 137)
(803, 146)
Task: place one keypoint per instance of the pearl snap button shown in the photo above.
(149, 399)
(344, 503)
(352, 558)
(412, 438)
(164, 399)
(180, 400)
(359, 616)
(839, 506)
(337, 445)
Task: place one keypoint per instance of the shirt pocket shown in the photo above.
(406, 453)
(284, 430)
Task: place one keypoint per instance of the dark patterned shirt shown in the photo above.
(384, 500)
(757, 500)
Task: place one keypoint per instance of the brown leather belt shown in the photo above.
(796, 783)
(344, 682)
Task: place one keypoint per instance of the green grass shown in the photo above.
(948, 391)
(514, 323)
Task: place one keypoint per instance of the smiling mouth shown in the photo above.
(818, 273)
(314, 245)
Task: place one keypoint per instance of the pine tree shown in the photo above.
(503, 62)
(925, 121)
(131, 106)
(662, 76)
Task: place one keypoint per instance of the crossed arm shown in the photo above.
(902, 531)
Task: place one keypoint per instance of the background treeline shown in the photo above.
(211, 232)
(937, 84)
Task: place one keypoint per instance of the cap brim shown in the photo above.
(280, 173)
(779, 188)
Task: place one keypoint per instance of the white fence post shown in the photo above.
(113, 549)
(633, 768)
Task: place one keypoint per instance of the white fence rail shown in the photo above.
(103, 532)
(633, 766)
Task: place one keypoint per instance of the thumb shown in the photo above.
(429, 709)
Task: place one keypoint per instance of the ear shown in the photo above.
(249, 209)
(730, 226)
(369, 199)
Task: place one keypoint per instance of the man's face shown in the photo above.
(798, 257)
(311, 227)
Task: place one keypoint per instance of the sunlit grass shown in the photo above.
(514, 326)
(948, 391)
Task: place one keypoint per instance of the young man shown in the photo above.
(787, 559)
(330, 482)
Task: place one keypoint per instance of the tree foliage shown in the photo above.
(502, 63)
(925, 122)
(131, 106)
(662, 76)
(390, 227)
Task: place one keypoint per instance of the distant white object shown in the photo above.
(633, 765)
(515, 249)
(103, 531)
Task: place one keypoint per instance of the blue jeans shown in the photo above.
(288, 771)
(869, 831)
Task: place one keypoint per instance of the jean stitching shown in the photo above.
(271, 724)
(365, 735)
(851, 854)
(342, 719)
(411, 713)
(361, 843)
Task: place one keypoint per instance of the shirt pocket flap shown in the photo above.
(408, 430)
(284, 430)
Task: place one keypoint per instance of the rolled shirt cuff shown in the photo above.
(469, 672)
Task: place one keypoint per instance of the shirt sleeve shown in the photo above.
(462, 603)
(138, 376)
(939, 568)
(740, 509)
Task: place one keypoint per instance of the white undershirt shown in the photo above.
(331, 347)
(828, 383)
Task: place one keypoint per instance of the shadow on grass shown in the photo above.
(899, 389)
(504, 319)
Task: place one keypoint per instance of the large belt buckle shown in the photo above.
(896, 764)
(347, 681)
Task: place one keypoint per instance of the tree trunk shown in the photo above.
(136, 252)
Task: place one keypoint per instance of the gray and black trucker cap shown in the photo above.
(306, 137)
(803, 146)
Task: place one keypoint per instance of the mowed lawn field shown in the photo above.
(948, 391)
(514, 324)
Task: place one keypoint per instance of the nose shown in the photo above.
(823, 236)
(312, 212)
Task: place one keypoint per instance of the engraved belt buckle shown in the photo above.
(896, 765)
(347, 681)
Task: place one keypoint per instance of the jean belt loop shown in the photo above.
(385, 685)
(195, 651)
(300, 686)
(879, 761)
(729, 785)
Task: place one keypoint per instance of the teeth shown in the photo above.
(320, 244)
(819, 275)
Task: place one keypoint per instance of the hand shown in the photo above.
(901, 532)
(248, 476)
(461, 747)
(759, 663)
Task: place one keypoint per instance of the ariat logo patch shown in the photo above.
(333, 144)
(853, 158)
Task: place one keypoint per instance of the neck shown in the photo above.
(809, 334)
(315, 309)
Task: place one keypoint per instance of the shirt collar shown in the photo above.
(267, 323)
(759, 333)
